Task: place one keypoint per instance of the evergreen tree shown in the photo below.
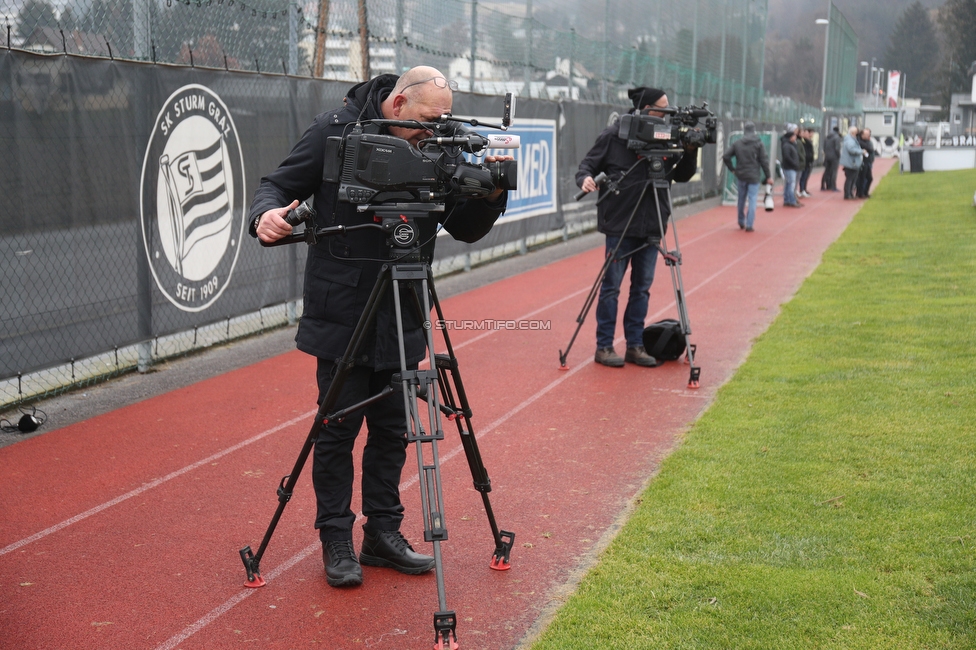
(957, 18)
(914, 49)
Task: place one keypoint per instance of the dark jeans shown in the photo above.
(642, 266)
(864, 180)
(829, 179)
(804, 177)
(383, 456)
(850, 178)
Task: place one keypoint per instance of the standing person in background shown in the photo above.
(831, 150)
(791, 165)
(851, 155)
(751, 160)
(801, 153)
(865, 176)
(807, 157)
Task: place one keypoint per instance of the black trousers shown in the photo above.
(829, 179)
(383, 456)
(850, 179)
(864, 180)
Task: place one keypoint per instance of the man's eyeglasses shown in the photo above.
(440, 82)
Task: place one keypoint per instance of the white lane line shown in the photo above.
(148, 486)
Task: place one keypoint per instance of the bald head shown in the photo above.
(423, 94)
(852, 130)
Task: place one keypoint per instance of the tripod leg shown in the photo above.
(452, 388)
(429, 473)
(673, 261)
(252, 561)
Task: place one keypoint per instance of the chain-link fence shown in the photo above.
(706, 50)
(94, 283)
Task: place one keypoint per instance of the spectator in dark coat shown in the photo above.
(804, 143)
(791, 166)
(831, 157)
(750, 166)
(865, 177)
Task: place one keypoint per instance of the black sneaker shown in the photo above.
(341, 566)
(388, 548)
(609, 357)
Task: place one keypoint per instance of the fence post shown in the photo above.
(528, 48)
(474, 41)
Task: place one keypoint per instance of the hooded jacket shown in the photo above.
(791, 159)
(832, 147)
(340, 271)
(751, 160)
(611, 155)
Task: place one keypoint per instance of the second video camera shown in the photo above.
(677, 128)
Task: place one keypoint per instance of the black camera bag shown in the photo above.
(664, 340)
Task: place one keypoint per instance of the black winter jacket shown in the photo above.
(751, 160)
(340, 271)
(832, 147)
(791, 159)
(610, 155)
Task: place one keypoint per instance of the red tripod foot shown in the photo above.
(444, 634)
(450, 644)
(500, 559)
(254, 579)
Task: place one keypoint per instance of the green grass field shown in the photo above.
(827, 499)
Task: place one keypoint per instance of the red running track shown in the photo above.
(122, 531)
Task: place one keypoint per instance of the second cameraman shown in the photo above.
(611, 155)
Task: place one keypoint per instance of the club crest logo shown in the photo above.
(191, 198)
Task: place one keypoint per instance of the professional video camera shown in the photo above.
(374, 169)
(678, 128)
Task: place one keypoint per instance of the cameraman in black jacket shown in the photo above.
(339, 276)
(611, 155)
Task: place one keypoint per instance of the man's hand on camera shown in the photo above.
(588, 184)
(498, 192)
(272, 225)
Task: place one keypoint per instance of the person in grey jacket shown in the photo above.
(750, 166)
(851, 155)
(828, 182)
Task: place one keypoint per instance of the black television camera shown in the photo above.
(677, 128)
(375, 169)
(400, 183)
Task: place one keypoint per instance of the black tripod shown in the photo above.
(407, 265)
(656, 180)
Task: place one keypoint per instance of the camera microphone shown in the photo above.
(475, 142)
(503, 141)
(600, 179)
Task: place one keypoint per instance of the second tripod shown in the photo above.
(658, 184)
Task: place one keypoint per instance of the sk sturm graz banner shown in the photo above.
(192, 198)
